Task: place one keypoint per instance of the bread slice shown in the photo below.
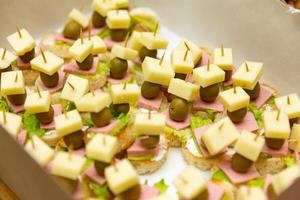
(270, 166)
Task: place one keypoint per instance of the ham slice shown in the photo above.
(148, 192)
(79, 193)
(110, 43)
(60, 37)
(105, 129)
(152, 104)
(205, 58)
(236, 177)
(264, 95)
(79, 152)
(56, 88)
(72, 67)
(57, 111)
(16, 108)
(94, 31)
(92, 174)
(137, 149)
(268, 181)
(297, 155)
(277, 153)
(21, 138)
(199, 104)
(177, 125)
(215, 192)
(249, 123)
(118, 81)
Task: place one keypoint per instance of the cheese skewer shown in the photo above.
(247, 67)
(4, 117)
(44, 57)
(125, 84)
(156, 28)
(162, 58)
(278, 115)
(19, 32)
(39, 92)
(73, 88)
(81, 36)
(3, 55)
(222, 50)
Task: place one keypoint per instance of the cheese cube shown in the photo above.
(207, 76)
(195, 50)
(23, 44)
(156, 73)
(234, 100)
(52, 65)
(155, 125)
(151, 41)
(79, 17)
(118, 19)
(74, 88)
(65, 125)
(289, 104)
(295, 135)
(68, 166)
(13, 123)
(249, 145)
(134, 41)
(179, 64)
(39, 150)
(121, 3)
(220, 135)
(183, 89)
(93, 102)
(103, 6)
(102, 147)
(80, 51)
(121, 176)
(7, 60)
(119, 94)
(98, 45)
(123, 52)
(35, 103)
(276, 126)
(12, 82)
(190, 183)
(223, 61)
(163, 196)
(248, 78)
(285, 179)
(251, 193)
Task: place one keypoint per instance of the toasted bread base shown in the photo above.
(270, 166)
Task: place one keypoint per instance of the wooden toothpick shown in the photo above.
(162, 58)
(208, 65)
(126, 39)
(221, 126)
(115, 166)
(288, 100)
(16, 77)
(257, 136)
(247, 67)
(4, 117)
(156, 28)
(278, 115)
(92, 89)
(81, 36)
(32, 142)
(38, 91)
(65, 114)
(44, 57)
(19, 32)
(103, 141)
(186, 53)
(124, 86)
(293, 140)
(183, 180)
(73, 88)
(234, 89)
(3, 55)
(149, 114)
(222, 50)
(70, 150)
(89, 33)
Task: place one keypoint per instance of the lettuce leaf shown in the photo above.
(289, 160)
(197, 122)
(220, 176)
(101, 191)
(62, 43)
(271, 101)
(258, 113)
(140, 158)
(258, 182)
(88, 122)
(150, 25)
(161, 186)
(4, 105)
(104, 33)
(181, 135)
(138, 68)
(87, 164)
(124, 120)
(32, 125)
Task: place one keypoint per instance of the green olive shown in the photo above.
(240, 164)
(74, 140)
(17, 99)
(27, 57)
(150, 90)
(180, 76)
(101, 118)
(118, 68)
(122, 108)
(202, 196)
(118, 35)
(132, 193)
(72, 30)
(98, 20)
(150, 141)
(49, 80)
(45, 117)
(238, 115)
(68, 184)
(144, 52)
(254, 94)
(87, 63)
(209, 93)
(178, 109)
(170, 96)
(274, 143)
(100, 167)
(228, 75)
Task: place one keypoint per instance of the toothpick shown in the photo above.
(32, 143)
(4, 117)
(293, 140)
(92, 89)
(222, 49)
(73, 88)
(19, 32)
(65, 113)
(149, 114)
(81, 36)
(278, 115)
(3, 55)
(247, 67)
(156, 28)
(38, 91)
(103, 141)
(44, 57)
(16, 77)
(124, 86)
(288, 100)
(221, 126)
(187, 46)
(208, 65)
(184, 181)
(234, 89)
(70, 149)
(126, 39)
(257, 136)
(162, 58)
(115, 166)
(186, 53)
(89, 33)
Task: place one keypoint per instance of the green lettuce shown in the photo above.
(289, 160)
(271, 101)
(181, 135)
(140, 158)
(102, 69)
(161, 186)
(138, 68)
(220, 176)
(63, 44)
(101, 191)
(258, 113)
(104, 33)
(124, 120)
(87, 164)
(88, 122)
(32, 125)
(197, 122)
(4, 105)
(149, 24)
(258, 182)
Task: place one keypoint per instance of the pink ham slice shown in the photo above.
(152, 104)
(60, 37)
(268, 181)
(79, 152)
(205, 58)
(249, 123)
(21, 138)
(79, 193)
(148, 192)
(57, 111)
(110, 43)
(92, 174)
(236, 177)
(105, 129)
(216, 105)
(17, 108)
(72, 67)
(137, 149)
(277, 153)
(264, 95)
(94, 31)
(59, 85)
(118, 81)
(215, 192)
(177, 125)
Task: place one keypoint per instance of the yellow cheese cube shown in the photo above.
(220, 135)
(79, 17)
(67, 123)
(39, 150)
(195, 50)
(295, 138)
(123, 52)
(22, 44)
(181, 65)
(155, 125)
(289, 104)
(156, 73)
(249, 145)
(98, 45)
(121, 176)
(52, 65)
(152, 41)
(102, 147)
(80, 51)
(103, 6)
(13, 123)
(93, 102)
(38, 103)
(134, 41)
(162, 196)
(121, 3)
(234, 99)
(207, 76)
(285, 179)
(12, 82)
(119, 94)
(248, 77)
(183, 89)
(224, 61)
(118, 19)
(7, 60)
(276, 126)
(68, 166)
(74, 88)
(190, 183)
(250, 193)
